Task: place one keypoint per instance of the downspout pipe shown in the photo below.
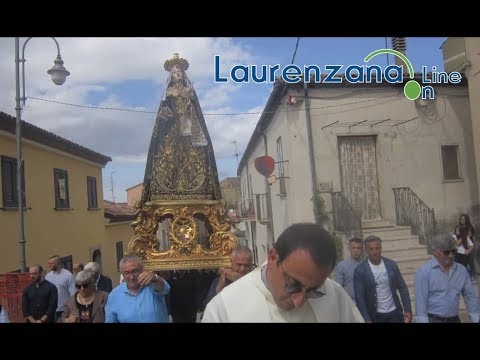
(313, 170)
(270, 234)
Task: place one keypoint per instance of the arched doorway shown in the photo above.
(97, 257)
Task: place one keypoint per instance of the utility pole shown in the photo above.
(112, 189)
(236, 150)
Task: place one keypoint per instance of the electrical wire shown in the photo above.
(295, 52)
(205, 114)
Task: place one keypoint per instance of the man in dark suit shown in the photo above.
(376, 281)
(103, 283)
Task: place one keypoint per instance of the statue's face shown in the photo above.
(177, 74)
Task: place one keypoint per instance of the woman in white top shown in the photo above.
(464, 247)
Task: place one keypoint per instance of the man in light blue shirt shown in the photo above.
(439, 283)
(64, 280)
(345, 268)
(140, 298)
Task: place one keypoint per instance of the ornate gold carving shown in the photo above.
(185, 251)
(180, 170)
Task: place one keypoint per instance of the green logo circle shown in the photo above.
(412, 90)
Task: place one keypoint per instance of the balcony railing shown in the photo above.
(246, 208)
(345, 218)
(412, 211)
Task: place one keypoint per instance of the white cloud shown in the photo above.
(98, 64)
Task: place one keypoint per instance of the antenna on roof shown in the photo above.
(236, 150)
(112, 189)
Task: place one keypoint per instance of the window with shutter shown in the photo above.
(92, 192)
(60, 183)
(9, 182)
(119, 246)
(450, 162)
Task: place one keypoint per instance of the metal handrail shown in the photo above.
(412, 211)
(345, 218)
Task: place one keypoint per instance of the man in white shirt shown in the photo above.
(293, 286)
(63, 279)
(376, 281)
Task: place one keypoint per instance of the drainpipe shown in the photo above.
(270, 234)
(313, 170)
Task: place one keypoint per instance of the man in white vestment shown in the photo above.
(292, 286)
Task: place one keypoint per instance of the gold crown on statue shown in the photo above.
(177, 62)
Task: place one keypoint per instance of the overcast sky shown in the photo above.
(128, 73)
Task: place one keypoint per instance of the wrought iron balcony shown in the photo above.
(246, 209)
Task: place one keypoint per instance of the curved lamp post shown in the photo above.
(59, 74)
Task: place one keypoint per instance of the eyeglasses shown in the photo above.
(134, 272)
(448, 252)
(82, 286)
(293, 286)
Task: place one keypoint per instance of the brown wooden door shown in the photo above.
(358, 171)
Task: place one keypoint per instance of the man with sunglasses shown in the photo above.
(439, 283)
(292, 286)
(140, 298)
(376, 282)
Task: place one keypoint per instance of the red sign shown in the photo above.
(265, 165)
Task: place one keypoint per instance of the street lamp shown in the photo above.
(59, 74)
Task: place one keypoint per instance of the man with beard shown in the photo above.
(39, 298)
(377, 281)
(63, 279)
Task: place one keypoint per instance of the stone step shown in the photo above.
(409, 277)
(388, 232)
(404, 252)
(411, 263)
(367, 224)
(400, 242)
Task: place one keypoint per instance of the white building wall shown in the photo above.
(300, 182)
(296, 206)
(258, 187)
(408, 154)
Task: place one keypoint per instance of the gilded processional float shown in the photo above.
(180, 219)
